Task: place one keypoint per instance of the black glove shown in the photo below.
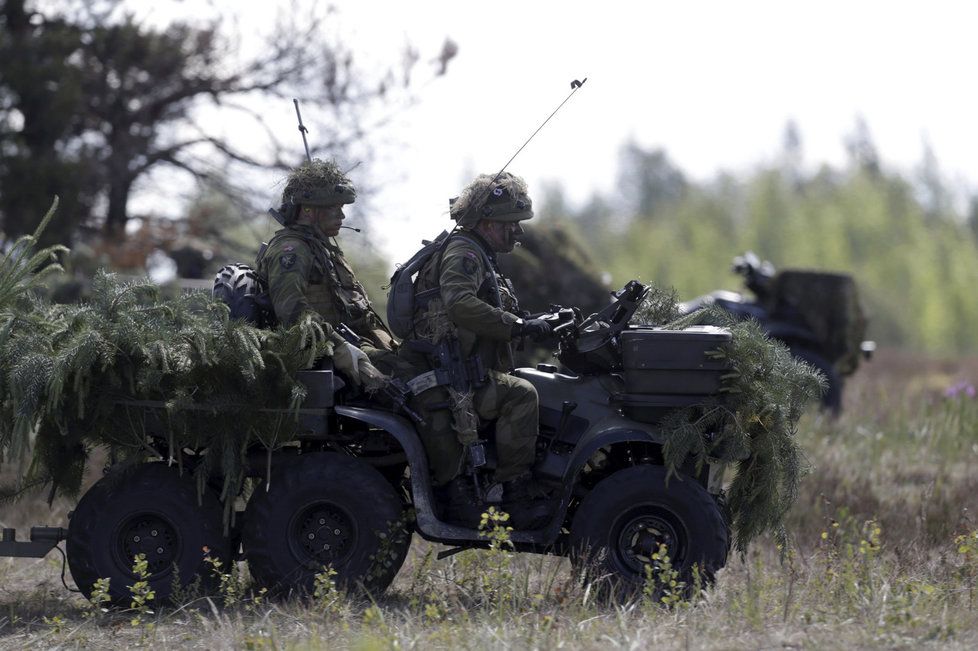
(535, 329)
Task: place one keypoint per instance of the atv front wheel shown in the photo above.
(325, 510)
(631, 515)
(151, 510)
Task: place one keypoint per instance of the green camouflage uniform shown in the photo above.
(466, 306)
(305, 271)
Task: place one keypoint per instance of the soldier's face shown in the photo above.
(327, 218)
(501, 236)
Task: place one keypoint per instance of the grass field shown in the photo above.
(884, 553)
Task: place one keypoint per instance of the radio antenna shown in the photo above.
(575, 86)
(303, 130)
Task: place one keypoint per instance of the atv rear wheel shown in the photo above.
(151, 510)
(628, 516)
(325, 510)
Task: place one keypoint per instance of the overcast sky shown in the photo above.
(714, 83)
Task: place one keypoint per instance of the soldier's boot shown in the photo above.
(458, 502)
(529, 503)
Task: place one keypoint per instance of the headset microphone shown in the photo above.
(357, 230)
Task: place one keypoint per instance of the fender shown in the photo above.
(602, 439)
(428, 524)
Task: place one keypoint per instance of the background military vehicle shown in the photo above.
(816, 314)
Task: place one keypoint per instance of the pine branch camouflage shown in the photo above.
(68, 370)
(765, 392)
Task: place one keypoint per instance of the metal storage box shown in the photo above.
(672, 362)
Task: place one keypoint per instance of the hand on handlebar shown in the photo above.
(535, 329)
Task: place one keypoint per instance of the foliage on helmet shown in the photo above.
(502, 198)
(320, 183)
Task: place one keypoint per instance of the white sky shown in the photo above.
(712, 82)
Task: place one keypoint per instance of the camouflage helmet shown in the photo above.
(503, 198)
(318, 183)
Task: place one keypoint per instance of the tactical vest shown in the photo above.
(431, 318)
(333, 291)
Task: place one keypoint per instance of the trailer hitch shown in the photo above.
(43, 540)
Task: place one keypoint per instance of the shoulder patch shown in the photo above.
(287, 260)
(469, 265)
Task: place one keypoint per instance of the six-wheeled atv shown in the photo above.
(349, 492)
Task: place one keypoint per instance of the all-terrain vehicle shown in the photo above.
(816, 314)
(350, 491)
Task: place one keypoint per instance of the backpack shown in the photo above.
(400, 292)
(241, 288)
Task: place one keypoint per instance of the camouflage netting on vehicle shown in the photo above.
(829, 303)
(71, 372)
(752, 428)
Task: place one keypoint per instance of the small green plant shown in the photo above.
(230, 583)
(419, 577)
(56, 623)
(493, 527)
(181, 594)
(99, 599)
(497, 579)
(662, 581)
(391, 542)
(258, 598)
(141, 591)
(967, 549)
(326, 595)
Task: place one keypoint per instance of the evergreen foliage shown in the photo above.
(753, 427)
(74, 375)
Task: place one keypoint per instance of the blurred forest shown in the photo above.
(912, 250)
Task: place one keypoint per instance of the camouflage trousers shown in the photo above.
(511, 401)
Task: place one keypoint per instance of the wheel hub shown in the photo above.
(324, 534)
(642, 536)
(153, 537)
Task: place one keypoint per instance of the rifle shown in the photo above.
(460, 374)
(395, 390)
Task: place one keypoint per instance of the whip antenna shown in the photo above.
(303, 130)
(575, 85)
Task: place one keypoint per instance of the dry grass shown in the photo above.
(876, 561)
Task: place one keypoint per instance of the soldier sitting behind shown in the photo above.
(460, 294)
(305, 271)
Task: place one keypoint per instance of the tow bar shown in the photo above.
(43, 540)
